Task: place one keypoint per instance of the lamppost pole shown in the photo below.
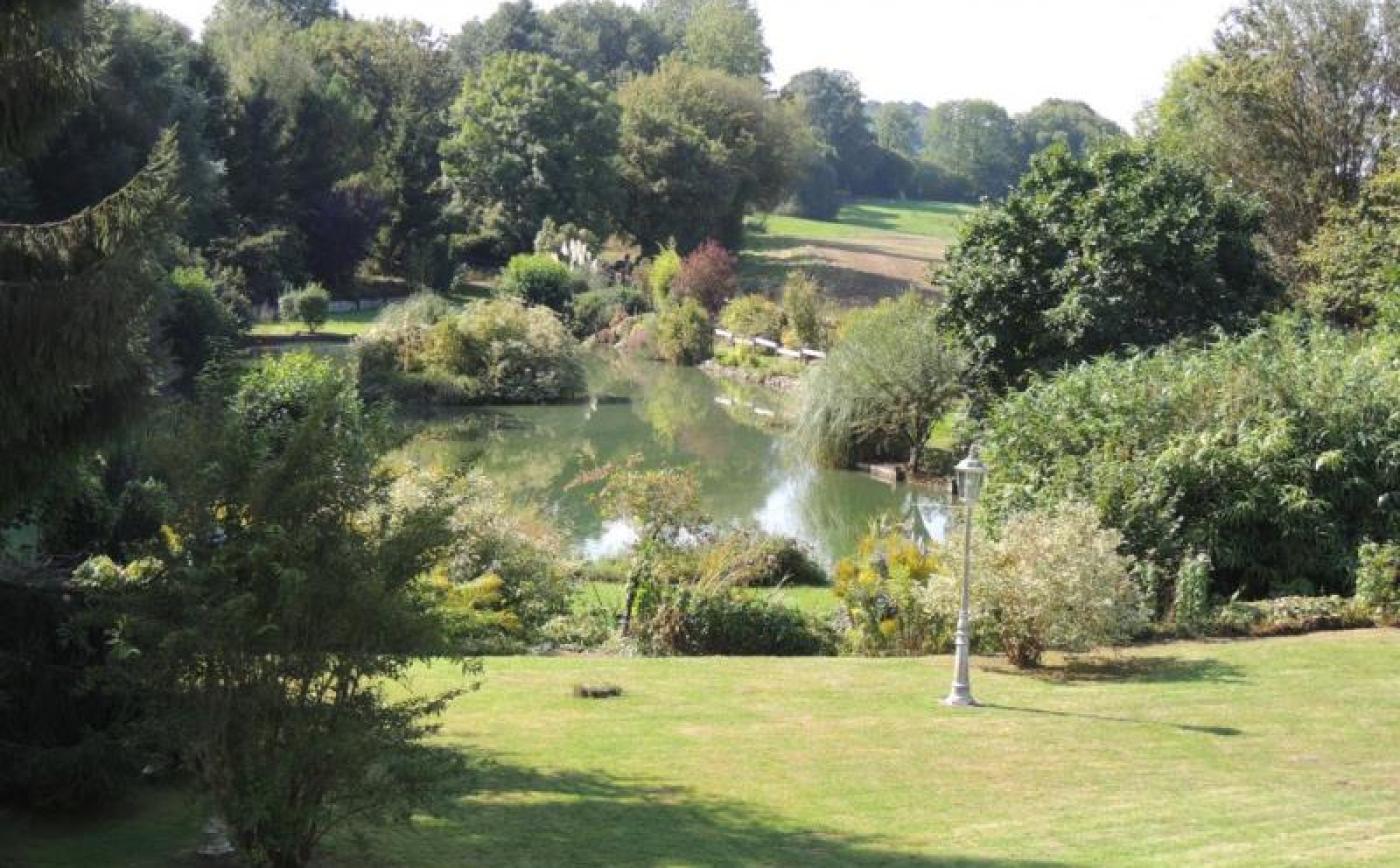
(970, 473)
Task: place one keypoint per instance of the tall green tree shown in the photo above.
(1296, 104)
(1128, 248)
(76, 294)
(1352, 263)
(534, 140)
(51, 53)
(699, 149)
(974, 140)
(76, 301)
(516, 25)
(606, 41)
(154, 77)
(727, 35)
(897, 129)
(1060, 120)
(832, 103)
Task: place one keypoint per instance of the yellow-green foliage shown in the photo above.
(664, 269)
(683, 333)
(753, 316)
(805, 308)
(881, 590)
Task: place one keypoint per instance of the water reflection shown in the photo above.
(670, 417)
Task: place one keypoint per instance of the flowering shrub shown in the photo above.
(1051, 579)
(881, 590)
(709, 275)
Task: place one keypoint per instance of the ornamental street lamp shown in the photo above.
(970, 474)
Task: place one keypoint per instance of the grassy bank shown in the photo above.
(1241, 753)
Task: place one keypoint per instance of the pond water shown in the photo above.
(671, 417)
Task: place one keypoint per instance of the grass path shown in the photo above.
(1281, 751)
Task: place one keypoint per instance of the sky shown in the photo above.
(1112, 54)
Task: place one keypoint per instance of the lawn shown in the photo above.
(352, 322)
(1225, 753)
(874, 248)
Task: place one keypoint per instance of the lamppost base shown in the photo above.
(960, 701)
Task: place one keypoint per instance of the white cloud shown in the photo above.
(1113, 54)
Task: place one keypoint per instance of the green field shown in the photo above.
(1225, 753)
(874, 248)
(352, 322)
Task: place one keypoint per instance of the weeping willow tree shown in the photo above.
(881, 389)
(75, 294)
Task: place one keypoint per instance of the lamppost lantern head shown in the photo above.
(971, 473)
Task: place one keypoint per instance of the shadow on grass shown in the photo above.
(1224, 731)
(875, 215)
(1145, 670)
(510, 815)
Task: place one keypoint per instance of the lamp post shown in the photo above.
(970, 474)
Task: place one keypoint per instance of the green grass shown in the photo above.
(351, 322)
(867, 218)
(873, 249)
(1242, 753)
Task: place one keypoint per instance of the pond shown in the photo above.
(670, 417)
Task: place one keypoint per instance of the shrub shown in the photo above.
(495, 350)
(310, 305)
(694, 620)
(503, 576)
(683, 333)
(881, 389)
(597, 309)
(817, 194)
(1378, 576)
(1191, 606)
(753, 559)
(881, 593)
(1267, 453)
(1288, 616)
(753, 316)
(804, 305)
(286, 598)
(662, 274)
(539, 278)
(1127, 248)
(1050, 579)
(196, 324)
(708, 275)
